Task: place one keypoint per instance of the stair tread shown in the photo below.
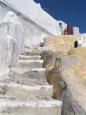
(24, 91)
(23, 70)
(26, 86)
(40, 102)
(30, 61)
(30, 56)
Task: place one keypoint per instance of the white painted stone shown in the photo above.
(24, 57)
(30, 63)
(17, 31)
(31, 107)
(10, 45)
(82, 40)
(76, 31)
(38, 69)
(61, 27)
(34, 13)
(23, 76)
(29, 31)
(11, 17)
(34, 48)
(4, 77)
(25, 92)
(32, 52)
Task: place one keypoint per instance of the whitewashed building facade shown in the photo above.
(22, 22)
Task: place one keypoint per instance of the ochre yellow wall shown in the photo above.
(80, 69)
(61, 43)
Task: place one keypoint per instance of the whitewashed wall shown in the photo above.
(82, 40)
(35, 13)
(16, 32)
(76, 32)
(64, 26)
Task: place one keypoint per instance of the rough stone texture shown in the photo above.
(24, 75)
(63, 72)
(27, 52)
(28, 92)
(20, 91)
(61, 44)
(30, 63)
(15, 32)
(53, 76)
(33, 107)
(75, 92)
(80, 68)
(23, 57)
(74, 96)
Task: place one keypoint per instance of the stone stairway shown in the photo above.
(26, 91)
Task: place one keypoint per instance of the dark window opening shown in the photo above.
(76, 44)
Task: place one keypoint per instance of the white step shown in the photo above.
(5, 78)
(24, 92)
(33, 49)
(24, 57)
(32, 52)
(24, 75)
(30, 63)
(31, 107)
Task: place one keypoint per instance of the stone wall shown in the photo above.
(73, 96)
(67, 86)
(61, 44)
(52, 75)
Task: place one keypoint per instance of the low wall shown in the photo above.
(67, 86)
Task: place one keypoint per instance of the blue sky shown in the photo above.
(72, 12)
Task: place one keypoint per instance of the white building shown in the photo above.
(61, 26)
(76, 32)
(22, 22)
(82, 40)
(81, 37)
(35, 16)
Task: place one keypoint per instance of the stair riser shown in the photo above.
(30, 57)
(39, 75)
(25, 92)
(31, 111)
(30, 65)
(31, 53)
(27, 81)
(22, 79)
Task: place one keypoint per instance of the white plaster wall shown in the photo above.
(76, 32)
(34, 12)
(82, 40)
(64, 26)
(14, 36)
(33, 34)
(10, 45)
(3, 49)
